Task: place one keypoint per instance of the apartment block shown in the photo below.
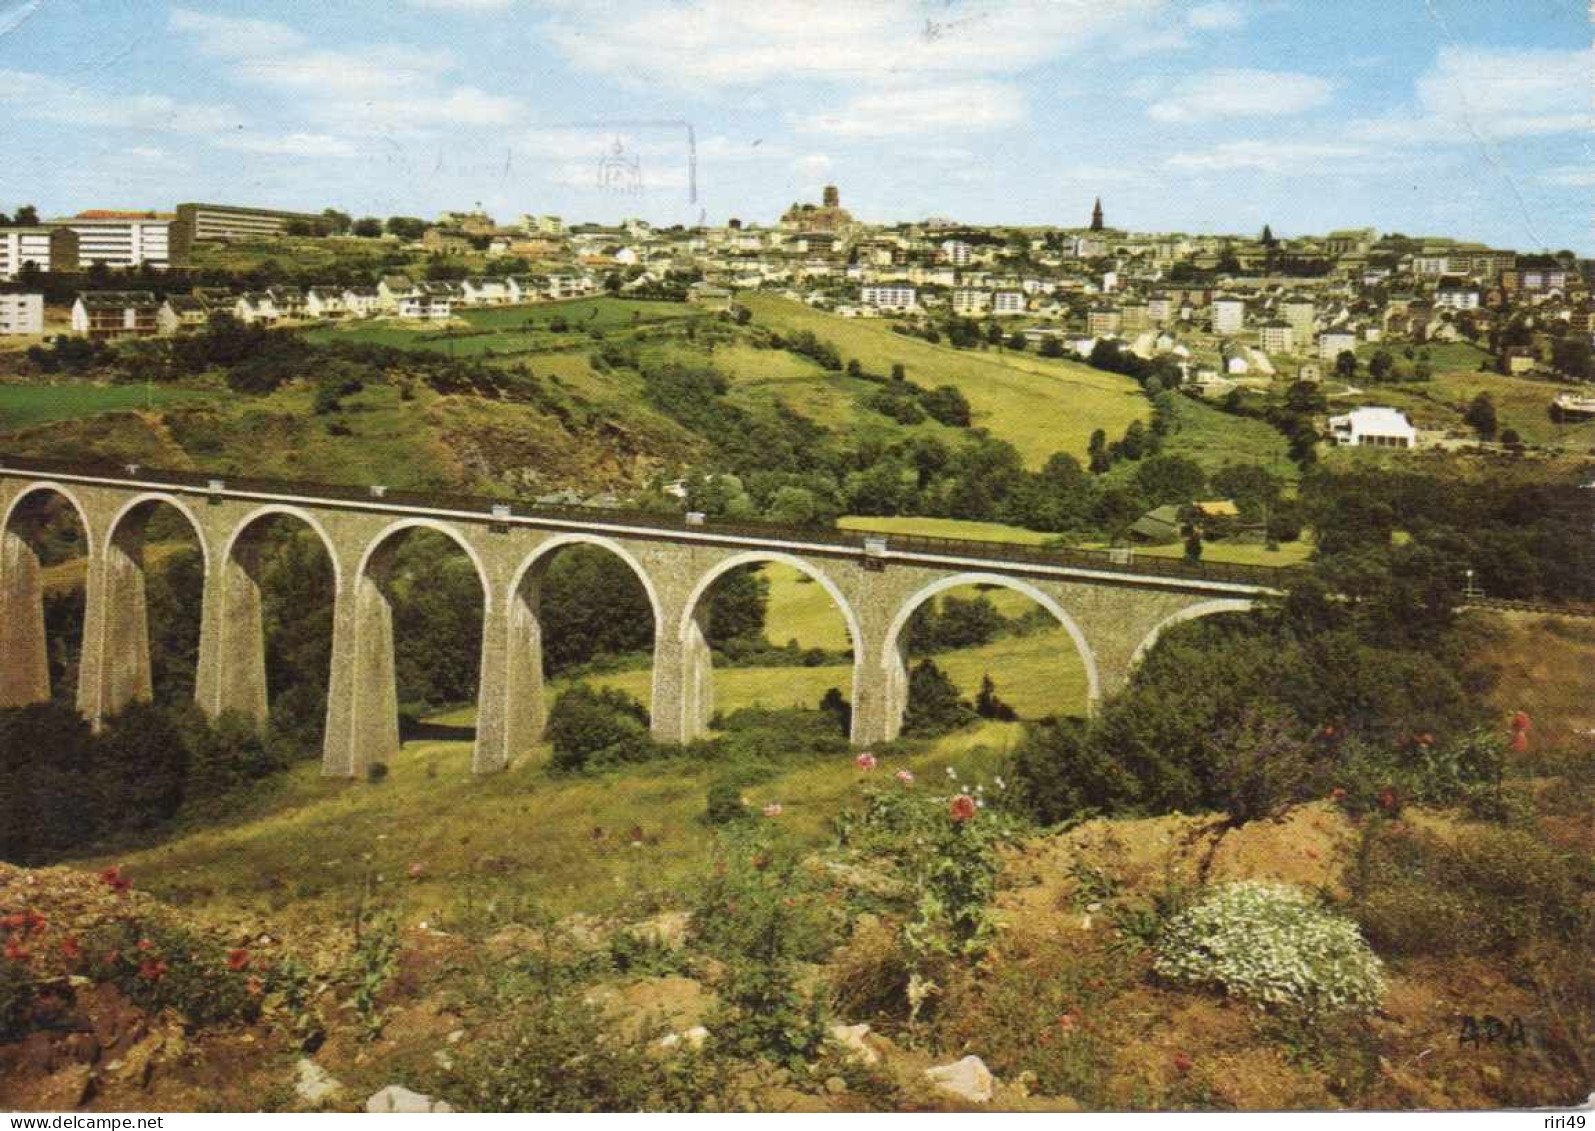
(120, 239)
(102, 315)
(1008, 302)
(1229, 315)
(21, 314)
(889, 297)
(1276, 337)
(49, 249)
(230, 223)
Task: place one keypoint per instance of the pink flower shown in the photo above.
(906, 776)
(962, 808)
(773, 809)
(1520, 721)
(417, 870)
(865, 761)
(1182, 1062)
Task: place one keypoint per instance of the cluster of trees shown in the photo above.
(1326, 690)
(67, 786)
(1524, 535)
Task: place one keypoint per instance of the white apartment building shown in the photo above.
(1276, 337)
(1457, 298)
(1300, 315)
(1374, 426)
(46, 248)
(426, 308)
(1229, 315)
(889, 297)
(21, 314)
(486, 291)
(969, 301)
(120, 241)
(1008, 302)
(957, 252)
(1333, 343)
(362, 302)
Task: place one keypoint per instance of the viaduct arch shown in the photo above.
(1113, 608)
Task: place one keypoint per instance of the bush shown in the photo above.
(561, 1055)
(934, 707)
(724, 803)
(591, 727)
(1270, 945)
(1492, 891)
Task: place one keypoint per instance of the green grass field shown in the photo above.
(1214, 438)
(515, 329)
(943, 528)
(1038, 405)
(303, 850)
(27, 406)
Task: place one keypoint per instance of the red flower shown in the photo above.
(1066, 1022)
(1426, 739)
(145, 944)
(1520, 721)
(13, 922)
(152, 969)
(71, 950)
(1182, 1062)
(1387, 798)
(237, 960)
(1337, 794)
(1520, 741)
(15, 951)
(1329, 732)
(962, 808)
(114, 879)
(865, 761)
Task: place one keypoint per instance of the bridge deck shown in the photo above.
(509, 509)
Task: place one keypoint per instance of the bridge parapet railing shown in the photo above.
(491, 507)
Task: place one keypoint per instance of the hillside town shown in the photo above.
(1337, 310)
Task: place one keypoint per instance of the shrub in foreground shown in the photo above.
(1273, 946)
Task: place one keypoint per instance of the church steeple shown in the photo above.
(1096, 216)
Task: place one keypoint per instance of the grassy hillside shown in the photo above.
(28, 406)
(1038, 405)
(299, 851)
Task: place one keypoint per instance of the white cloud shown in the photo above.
(383, 87)
(1269, 157)
(146, 152)
(1220, 15)
(462, 5)
(698, 45)
(290, 145)
(1569, 176)
(1475, 94)
(928, 111)
(43, 98)
(1240, 93)
(812, 165)
(227, 37)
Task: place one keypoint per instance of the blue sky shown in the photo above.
(1441, 117)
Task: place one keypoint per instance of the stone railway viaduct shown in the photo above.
(1113, 608)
